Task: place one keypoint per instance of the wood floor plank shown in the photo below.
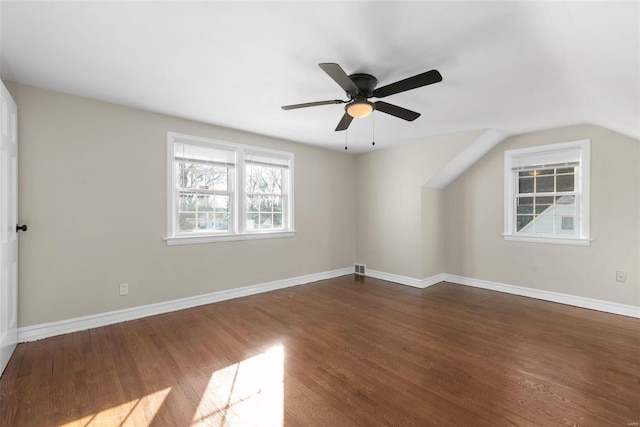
(348, 351)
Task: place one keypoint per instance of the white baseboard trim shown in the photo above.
(593, 304)
(45, 330)
(404, 280)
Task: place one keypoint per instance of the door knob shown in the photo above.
(21, 227)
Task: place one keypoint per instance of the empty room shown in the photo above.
(319, 213)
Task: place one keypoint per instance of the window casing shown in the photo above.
(547, 193)
(217, 191)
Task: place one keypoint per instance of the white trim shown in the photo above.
(237, 210)
(582, 192)
(404, 280)
(463, 161)
(45, 330)
(558, 240)
(590, 303)
(577, 301)
(189, 240)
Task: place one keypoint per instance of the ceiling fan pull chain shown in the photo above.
(345, 131)
(345, 138)
(373, 128)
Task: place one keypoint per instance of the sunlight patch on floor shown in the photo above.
(250, 392)
(149, 405)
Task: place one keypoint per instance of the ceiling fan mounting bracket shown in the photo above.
(366, 83)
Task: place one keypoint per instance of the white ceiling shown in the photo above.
(512, 66)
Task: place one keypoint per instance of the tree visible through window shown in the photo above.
(264, 197)
(204, 197)
(222, 191)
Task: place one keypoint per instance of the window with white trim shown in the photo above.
(547, 193)
(218, 191)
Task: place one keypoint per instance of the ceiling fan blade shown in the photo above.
(312, 104)
(339, 76)
(394, 110)
(344, 123)
(414, 82)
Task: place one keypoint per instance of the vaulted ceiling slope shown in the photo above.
(512, 66)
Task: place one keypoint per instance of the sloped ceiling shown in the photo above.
(512, 66)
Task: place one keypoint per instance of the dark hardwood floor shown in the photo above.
(340, 352)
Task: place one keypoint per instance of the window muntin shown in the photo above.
(204, 193)
(547, 193)
(265, 196)
(222, 191)
(546, 201)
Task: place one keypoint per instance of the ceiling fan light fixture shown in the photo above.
(359, 109)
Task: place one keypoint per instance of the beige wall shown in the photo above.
(92, 190)
(397, 228)
(474, 221)
(433, 236)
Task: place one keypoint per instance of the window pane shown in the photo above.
(205, 221)
(265, 204)
(205, 203)
(566, 224)
(543, 172)
(187, 222)
(544, 184)
(548, 200)
(565, 170)
(526, 209)
(566, 200)
(544, 209)
(524, 205)
(221, 203)
(525, 185)
(565, 182)
(525, 200)
(265, 220)
(544, 205)
(188, 202)
(544, 224)
(277, 204)
(523, 223)
(252, 221)
(186, 174)
(277, 220)
(263, 179)
(221, 222)
(220, 179)
(195, 175)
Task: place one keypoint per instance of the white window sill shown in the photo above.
(578, 241)
(190, 240)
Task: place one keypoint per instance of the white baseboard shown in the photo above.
(404, 280)
(593, 304)
(45, 330)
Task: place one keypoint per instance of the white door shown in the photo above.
(8, 222)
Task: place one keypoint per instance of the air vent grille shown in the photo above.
(359, 269)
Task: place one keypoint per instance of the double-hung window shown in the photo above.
(266, 181)
(218, 191)
(547, 193)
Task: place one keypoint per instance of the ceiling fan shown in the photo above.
(360, 87)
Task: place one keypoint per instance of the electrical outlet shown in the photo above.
(124, 288)
(621, 276)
